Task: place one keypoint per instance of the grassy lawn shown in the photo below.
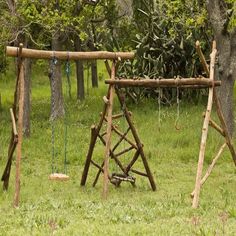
(56, 208)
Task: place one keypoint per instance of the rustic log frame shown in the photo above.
(17, 138)
(223, 130)
(107, 117)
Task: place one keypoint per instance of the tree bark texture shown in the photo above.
(79, 71)
(55, 77)
(94, 71)
(226, 46)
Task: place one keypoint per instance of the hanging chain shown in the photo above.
(123, 110)
(178, 108)
(159, 107)
(65, 115)
(52, 74)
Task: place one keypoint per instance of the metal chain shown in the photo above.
(66, 115)
(178, 108)
(159, 108)
(52, 74)
(123, 110)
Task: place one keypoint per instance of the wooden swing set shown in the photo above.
(107, 119)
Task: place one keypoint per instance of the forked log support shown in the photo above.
(210, 168)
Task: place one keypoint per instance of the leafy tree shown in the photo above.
(165, 40)
(222, 15)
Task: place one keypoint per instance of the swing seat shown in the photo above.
(123, 177)
(59, 177)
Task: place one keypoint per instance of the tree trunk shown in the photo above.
(55, 77)
(94, 72)
(226, 46)
(79, 71)
(27, 89)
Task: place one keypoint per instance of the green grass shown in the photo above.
(49, 208)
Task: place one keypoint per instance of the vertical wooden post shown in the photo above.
(204, 131)
(108, 135)
(20, 129)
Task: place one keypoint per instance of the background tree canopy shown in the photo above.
(163, 33)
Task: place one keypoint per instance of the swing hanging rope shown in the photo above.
(55, 175)
(159, 108)
(177, 127)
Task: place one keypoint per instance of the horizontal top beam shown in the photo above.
(64, 55)
(162, 83)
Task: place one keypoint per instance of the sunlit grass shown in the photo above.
(49, 208)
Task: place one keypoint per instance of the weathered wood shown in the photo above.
(112, 155)
(139, 173)
(134, 159)
(64, 55)
(117, 131)
(13, 122)
(121, 139)
(89, 155)
(202, 58)
(92, 145)
(108, 136)
(224, 127)
(7, 170)
(137, 140)
(105, 100)
(96, 165)
(97, 175)
(13, 141)
(20, 132)
(210, 168)
(58, 177)
(124, 151)
(117, 116)
(214, 125)
(204, 131)
(161, 83)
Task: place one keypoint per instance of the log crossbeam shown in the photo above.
(164, 83)
(65, 55)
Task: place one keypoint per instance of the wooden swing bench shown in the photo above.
(58, 177)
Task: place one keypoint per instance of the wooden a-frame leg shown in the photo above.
(224, 127)
(108, 136)
(204, 132)
(20, 134)
(139, 144)
(210, 168)
(94, 135)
